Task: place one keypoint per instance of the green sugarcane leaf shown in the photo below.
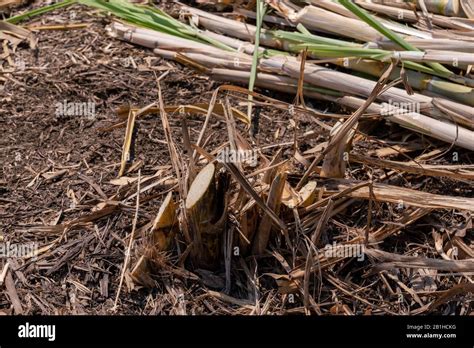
(38, 11)
(261, 9)
(370, 20)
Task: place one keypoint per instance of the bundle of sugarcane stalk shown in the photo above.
(442, 107)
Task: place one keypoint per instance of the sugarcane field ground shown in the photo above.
(105, 193)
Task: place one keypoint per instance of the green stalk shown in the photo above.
(314, 42)
(307, 37)
(331, 51)
(261, 9)
(341, 52)
(152, 18)
(367, 18)
(38, 11)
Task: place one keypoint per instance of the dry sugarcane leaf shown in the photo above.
(397, 149)
(273, 202)
(123, 181)
(449, 294)
(285, 284)
(340, 309)
(248, 227)
(270, 174)
(50, 176)
(127, 143)
(12, 294)
(4, 4)
(424, 280)
(457, 172)
(251, 192)
(199, 109)
(395, 194)
(334, 164)
(301, 159)
(392, 260)
(17, 31)
(350, 123)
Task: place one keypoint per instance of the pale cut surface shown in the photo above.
(200, 185)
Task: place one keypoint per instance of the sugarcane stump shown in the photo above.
(274, 201)
(206, 210)
(165, 224)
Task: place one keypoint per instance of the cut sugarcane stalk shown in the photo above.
(396, 27)
(334, 164)
(248, 226)
(468, 8)
(334, 80)
(460, 59)
(207, 214)
(163, 230)
(419, 81)
(141, 272)
(165, 224)
(433, 44)
(444, 7)
(286, 39)
(457, 108)
(447, 132)
(392, 36)
(308, 194)
(231, 27)
(265, 227)
(417, 122)
(321, 20)
(412, 17)
(395, 194)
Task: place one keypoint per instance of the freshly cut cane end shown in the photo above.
(308, 194)
(200, 185)
(141, 272)
(167, 213)
(290, 197)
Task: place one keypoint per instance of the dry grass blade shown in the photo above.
(129, 139)
(453, 171)
(451, 293)
(391, 260)
(273, 202)
(348, 125)
(251, 192)
(394, 194)
(130, 243)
